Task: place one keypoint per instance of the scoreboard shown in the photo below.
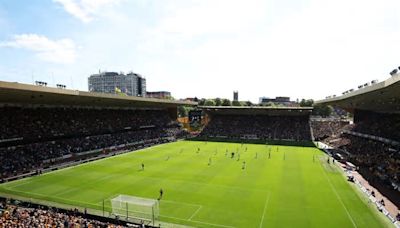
(195, 115)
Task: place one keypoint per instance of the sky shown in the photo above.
(204, 48)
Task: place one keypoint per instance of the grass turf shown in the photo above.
(293, 187)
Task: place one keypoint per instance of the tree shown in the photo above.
(202, 101)
(268, 104)
(209, 102)
(183, 111)
(322, 110)
(226, 102)
(306, 103)
(236, 103)
(218, 101)
(248, 103)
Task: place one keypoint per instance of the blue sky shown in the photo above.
(203, 48)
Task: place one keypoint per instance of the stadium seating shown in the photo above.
(379, 124)
(377, 160)
(259, 126)
(49, 123)
(382, 160)
(15, 216)
(33, 138)
(323, 129)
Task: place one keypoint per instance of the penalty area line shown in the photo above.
(196, 221)
(182, 203)
(198, 209)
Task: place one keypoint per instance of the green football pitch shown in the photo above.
(277, 186)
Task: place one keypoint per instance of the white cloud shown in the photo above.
(199, 20)
(57, 51)
(270, 48)
(259, 47)
(85, 10)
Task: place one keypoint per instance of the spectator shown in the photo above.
(32, 138)
(30, 217)
(259, 127)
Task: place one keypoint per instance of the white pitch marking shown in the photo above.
(265, 208)
(198, 209)
(206, 223)
(183, 203)
(340, 199)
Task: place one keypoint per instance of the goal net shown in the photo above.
(135, 207)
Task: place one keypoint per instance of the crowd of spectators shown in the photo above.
(45, 122)
(20, 159)
(374, 152)
(61, 132)
(326, 128)
(19, 217)
(384, 125)
(378, 160)
(381, 159)
(258, 126)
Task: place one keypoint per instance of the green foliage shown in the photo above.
(226, 102)
(202, 101)
(306, 103)
(236, 103)
(266, 104)
(272, 104)
(218, 101)
(247, 103)
(184, 110)
(322, 110)
(209, 102)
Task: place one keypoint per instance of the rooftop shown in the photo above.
(256, 110)
(18, 93)
(379, 97)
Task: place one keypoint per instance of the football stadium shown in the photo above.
(127, 114)
(111, 160)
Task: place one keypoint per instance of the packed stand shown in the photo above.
(381, 160)
(15, 216)
(60, 132)
(324, 129)
(384, 125)
(39, 123)
(258, 126)
(377, 160)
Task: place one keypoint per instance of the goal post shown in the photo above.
(135, 207)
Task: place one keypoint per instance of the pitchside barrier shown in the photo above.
(126, 208)
(282, 142)
(118, 150)
(372, 199)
